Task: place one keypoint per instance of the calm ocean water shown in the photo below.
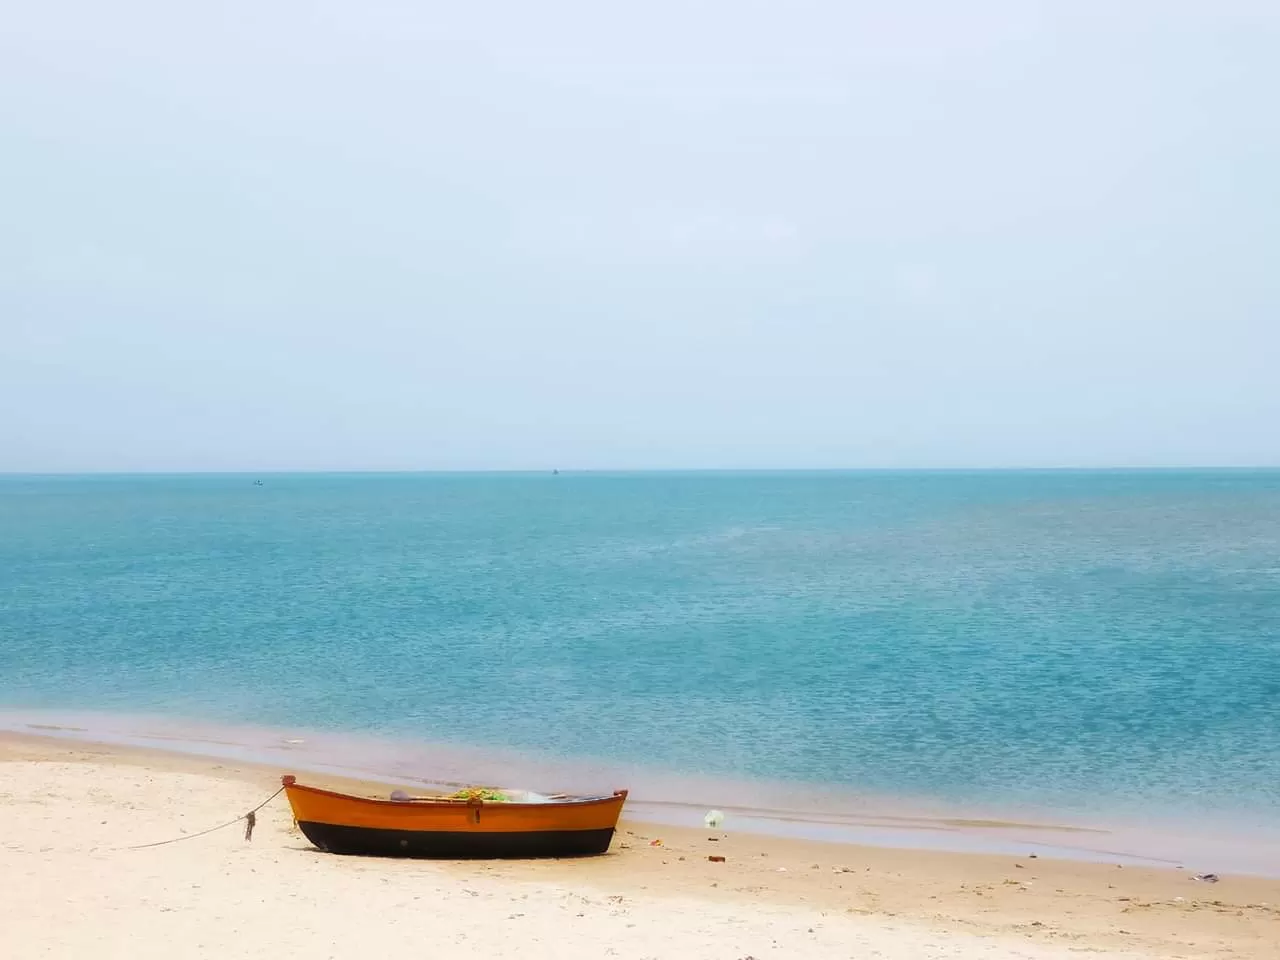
(1071, 641)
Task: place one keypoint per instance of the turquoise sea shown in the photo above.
(1079, 642)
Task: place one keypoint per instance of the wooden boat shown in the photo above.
(454, 828)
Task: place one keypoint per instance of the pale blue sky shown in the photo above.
(412, 235)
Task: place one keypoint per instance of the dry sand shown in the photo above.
(72, 889)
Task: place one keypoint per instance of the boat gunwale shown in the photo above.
(617, 796)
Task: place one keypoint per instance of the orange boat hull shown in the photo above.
(453, 829)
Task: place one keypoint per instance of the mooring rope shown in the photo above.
(250, 821)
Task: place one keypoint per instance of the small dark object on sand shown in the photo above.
(715, 859)
(1206, 877)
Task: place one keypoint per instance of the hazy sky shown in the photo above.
(276, 235)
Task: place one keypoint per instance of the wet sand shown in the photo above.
(799, 811)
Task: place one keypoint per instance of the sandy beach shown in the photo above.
(73, 886)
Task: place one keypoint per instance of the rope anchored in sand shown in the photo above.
(250, 821)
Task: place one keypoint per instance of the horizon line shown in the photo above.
(526, 471)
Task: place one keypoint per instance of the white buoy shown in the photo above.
(713, 819)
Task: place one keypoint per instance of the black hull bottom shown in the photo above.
(441, 845)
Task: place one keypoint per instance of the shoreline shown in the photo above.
(830, 816)
(77, 807)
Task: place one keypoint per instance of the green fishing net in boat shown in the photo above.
(479, 793)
